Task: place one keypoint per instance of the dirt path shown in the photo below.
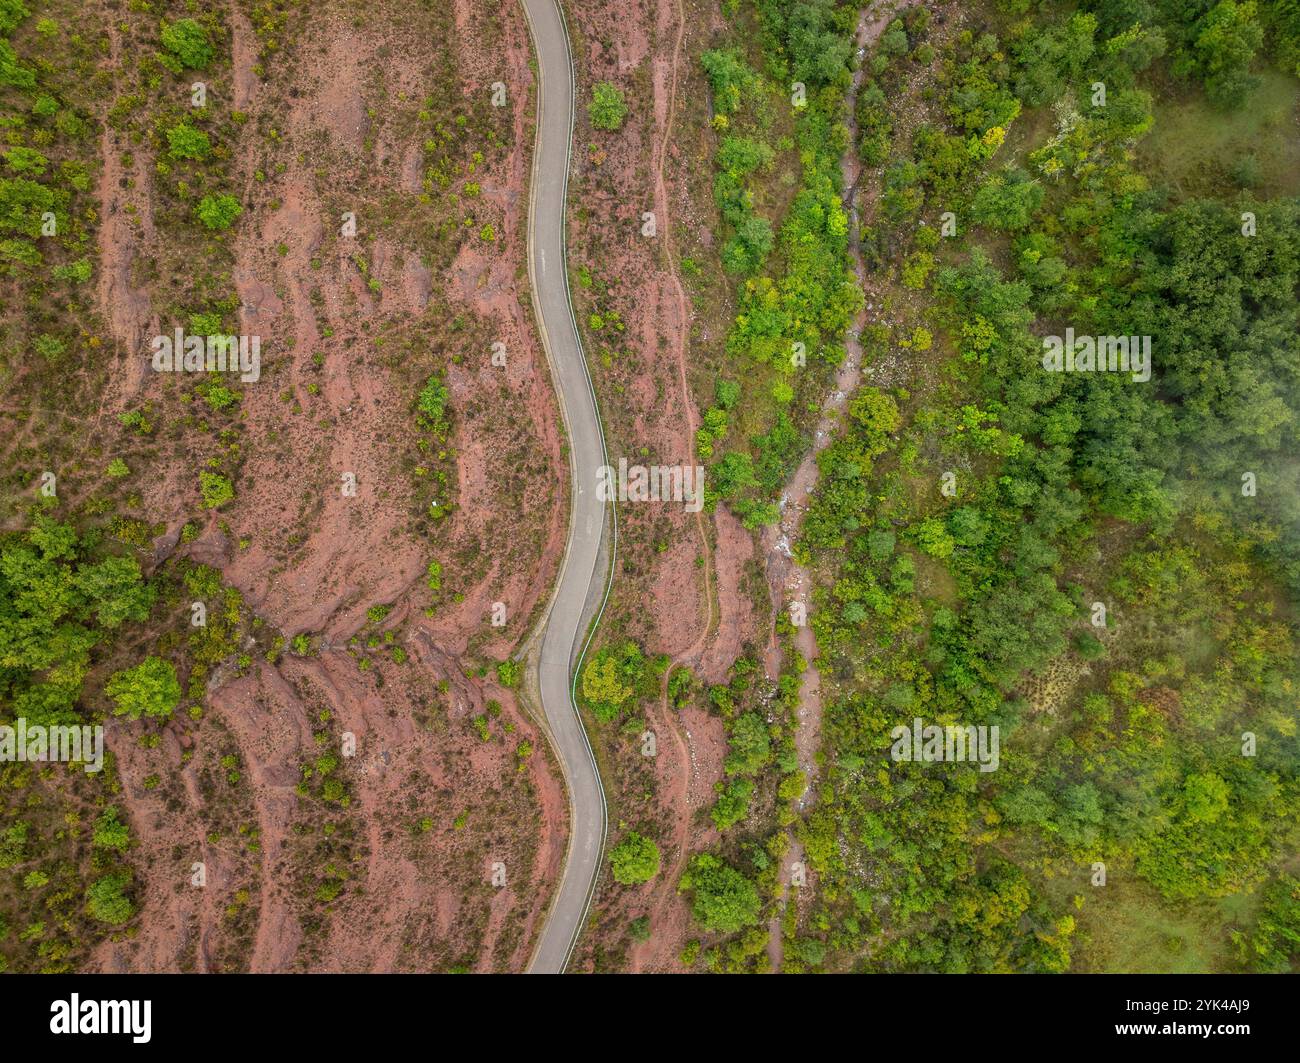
(682, 331)
(789, 581)
(666, 719)
(126, 227)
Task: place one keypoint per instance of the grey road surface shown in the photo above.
(581, 575)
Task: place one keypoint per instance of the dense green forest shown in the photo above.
(1102, 566)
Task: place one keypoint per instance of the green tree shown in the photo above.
(149, 689)
(22, 204)
(611, 677)
(819, 50)
(729, 77)
(116, 590)
(749, 745)
(724, 901)
(188, 42)
(877, 417)
(733, 803)
(634, 860)
(681, 685)
(1206, 797)
(1273, 947)
(106, 902)
(1007, 200)
(1227, 39)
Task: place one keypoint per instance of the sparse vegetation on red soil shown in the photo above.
(371, 524)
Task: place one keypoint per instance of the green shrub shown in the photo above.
(206, 323)
(25, 160)
(186, 142)
(509, 672)
(607, 108)
(432, 404)
(218, 212)
(12, 12)
(218, 396)
(77, 272)
(106, 902)
(111, 832)
(611, 677)
(215, 489)
(49, 347)
(11, 71)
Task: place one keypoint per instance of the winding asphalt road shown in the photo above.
(582, 577)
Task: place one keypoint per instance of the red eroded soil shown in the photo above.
(680, 587)
(432, 807)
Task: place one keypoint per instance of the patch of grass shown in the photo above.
(1195, 148)
(1125, 927)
